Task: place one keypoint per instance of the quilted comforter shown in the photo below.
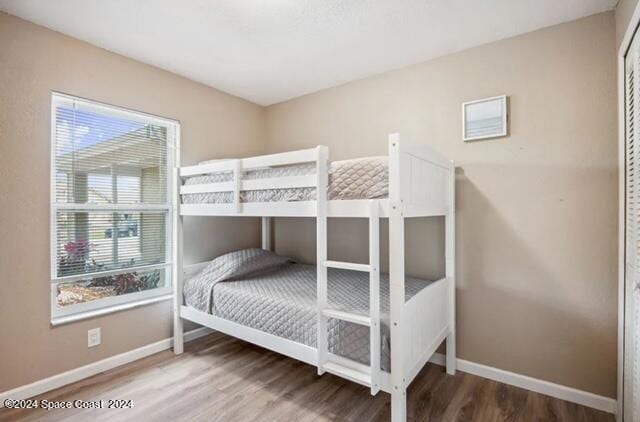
(361, 178)
(271, 293)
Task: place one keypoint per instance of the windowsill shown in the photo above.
(57, 321)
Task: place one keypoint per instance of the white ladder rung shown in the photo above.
(347, 316)
(348, 266)
(348, 373)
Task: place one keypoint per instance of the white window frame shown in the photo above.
(115, 303)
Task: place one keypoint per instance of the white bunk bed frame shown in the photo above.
(421, 184)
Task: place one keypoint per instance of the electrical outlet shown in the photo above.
(93, 337)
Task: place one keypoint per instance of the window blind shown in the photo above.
(103, 159)
(111, 201)
(89, 242)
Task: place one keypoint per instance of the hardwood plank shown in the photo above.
(469, 406)
(220, 378)
(420, 394)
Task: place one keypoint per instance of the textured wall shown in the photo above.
(537, 211)
(33, 62)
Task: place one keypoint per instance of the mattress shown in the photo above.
(279, 298)
(361, 178)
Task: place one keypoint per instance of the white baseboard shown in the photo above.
(558, 391)
(74, 375)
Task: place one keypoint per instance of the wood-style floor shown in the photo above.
(219, 378)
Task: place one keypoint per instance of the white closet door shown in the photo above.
(632, 270)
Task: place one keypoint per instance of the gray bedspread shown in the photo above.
(262, 290)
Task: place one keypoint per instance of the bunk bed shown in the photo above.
(331, 313)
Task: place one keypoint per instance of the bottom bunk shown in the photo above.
(269, 300)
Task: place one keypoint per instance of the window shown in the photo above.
(111, 206)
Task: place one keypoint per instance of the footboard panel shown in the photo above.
(426, 318)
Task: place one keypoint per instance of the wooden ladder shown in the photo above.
(337, 365)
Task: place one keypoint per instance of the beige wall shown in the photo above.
(537, 211)
(624, 11)
(33, 62)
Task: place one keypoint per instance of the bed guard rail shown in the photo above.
(239, 165)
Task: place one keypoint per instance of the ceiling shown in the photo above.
(268, 51)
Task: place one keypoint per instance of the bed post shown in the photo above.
(178, 329)
(396, 279)
(237, 183)
(322, 158)
(266, 233)
(450, 268)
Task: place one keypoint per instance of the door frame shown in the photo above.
(633, 25)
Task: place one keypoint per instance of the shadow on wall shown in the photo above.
(206, 238)
(520, 278)
(520, 281)
(348, 241)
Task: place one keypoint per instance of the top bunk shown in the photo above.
(413, 180)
